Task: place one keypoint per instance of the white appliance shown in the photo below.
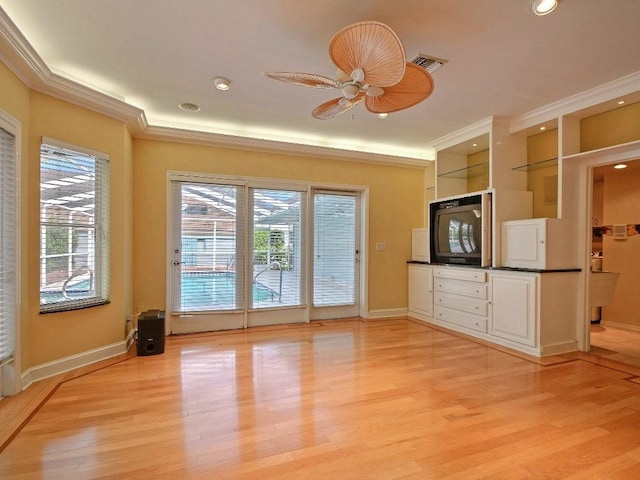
(420, 250)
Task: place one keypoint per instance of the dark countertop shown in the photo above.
(497, 269)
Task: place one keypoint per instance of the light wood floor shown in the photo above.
(616, 343)
(384, 399)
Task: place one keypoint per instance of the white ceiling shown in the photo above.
(156, 54)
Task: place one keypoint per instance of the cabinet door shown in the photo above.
(513, 307)
(421, 290)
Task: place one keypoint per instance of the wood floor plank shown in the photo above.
(384, 399)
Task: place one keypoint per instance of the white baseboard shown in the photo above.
(49, 369)
(388, 313)
(622, 326)
(559, 348)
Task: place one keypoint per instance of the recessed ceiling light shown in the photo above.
(621, 102)
(189, 107)
(543, 7)
(620, 166)
(474, 145)
(222, 83)
(543, 128)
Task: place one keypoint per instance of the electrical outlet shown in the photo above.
(381, 246)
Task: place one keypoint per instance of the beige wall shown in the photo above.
(478, 178)
(138, 187)
(45, 338)
(396, 199)
(58, 335)
(621, 205)
(540, 147)
(614, 127)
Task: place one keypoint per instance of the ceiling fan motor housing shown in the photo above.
(350, 90)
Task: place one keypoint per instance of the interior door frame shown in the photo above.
(577, 198)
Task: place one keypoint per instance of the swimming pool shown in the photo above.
(74, 291)
(199, 291)
(216, 290)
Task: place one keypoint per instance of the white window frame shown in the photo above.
(100, 261)
(9, 368)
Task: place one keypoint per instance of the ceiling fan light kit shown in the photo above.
(372, 68)
(543, 7)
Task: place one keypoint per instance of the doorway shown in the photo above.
(251, 253)
(613, 332)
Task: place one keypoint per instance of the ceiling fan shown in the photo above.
(372, 67)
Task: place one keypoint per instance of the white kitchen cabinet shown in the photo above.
(513, 307)
(420, 291)
(460, 298)
(533, 312)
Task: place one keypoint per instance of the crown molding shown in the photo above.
(171, 134)
(28, 66)
(20, 57)
(583, 104)
(483, 127)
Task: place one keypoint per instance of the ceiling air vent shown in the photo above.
(430, 64)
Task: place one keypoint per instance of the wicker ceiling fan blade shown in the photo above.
(372, 47)
(335, 107)
(303, 79)
(415, 86)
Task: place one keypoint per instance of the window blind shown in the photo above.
(74, 234)
(7, 244)
(334, 249)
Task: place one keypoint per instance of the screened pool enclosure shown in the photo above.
(214, 273)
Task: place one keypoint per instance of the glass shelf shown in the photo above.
(471, 171)
(550, 162)
(432, 187)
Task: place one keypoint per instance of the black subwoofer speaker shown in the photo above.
(151, 332)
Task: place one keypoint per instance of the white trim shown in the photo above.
(22, 59)
(621, 326)
(578, 168)
(483, 127)
(387, 313)
(585, 102)
(77, 148)
(421, 159)
(11, 383)
(49, 369)
(558, 348)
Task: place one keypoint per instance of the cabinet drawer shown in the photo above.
(468, 289)
(473, 322)
(458, 302)
(470, 275)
